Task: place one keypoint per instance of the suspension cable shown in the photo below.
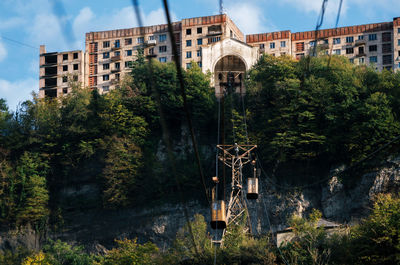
(336, 25)
(165, 134)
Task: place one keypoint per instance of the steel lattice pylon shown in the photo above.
(235, 157)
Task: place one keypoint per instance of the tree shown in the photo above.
(129, 252)
(34, 196)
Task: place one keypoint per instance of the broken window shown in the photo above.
(65, 68)
(387, 59)
(106, 66)
(128, 41)
(188, 31)
(106, 77)
(162, 49)
(50, 59)
(65, 79)
(360, 50)
(299, 46)
(76, 66)
(386, 47)
(75, 55)
(386, 36)
(65, 57)
(106, 44)
(215, 29)
(199, 30)
(373, 48)
(349, 50)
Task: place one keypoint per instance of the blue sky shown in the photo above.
(35, 22)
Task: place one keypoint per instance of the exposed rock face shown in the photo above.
(97, 229)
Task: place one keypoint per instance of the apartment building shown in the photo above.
(214, 43)
(372, 44)
(58, 70)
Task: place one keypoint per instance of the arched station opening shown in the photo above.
(229, 72)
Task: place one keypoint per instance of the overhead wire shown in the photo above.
(183, 94)
(320, 21)
(165, 130)
(336, 26)
(18, 42)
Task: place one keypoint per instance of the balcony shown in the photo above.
(360, 42)
(151, 43)
(117, 70)
(116, 48)
(114, 81)
(361, 55)
(116, 58)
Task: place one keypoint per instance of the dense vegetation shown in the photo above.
(374, 241)
(298, 114)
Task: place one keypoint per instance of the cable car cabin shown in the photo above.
(252, 188)
(218, 216)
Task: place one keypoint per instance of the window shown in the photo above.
(349, 50)
(337, 51)
(312, 43)
(398, 42)
(387, 59)
(372, 37)
(188, 54)
(116, 44)
(128, 53)
(162, 37)
(360, 37)
(283, 43)
(65, 57)
(162, 59)
(65, 90)
(128, 64)
(106, 77)
(106, 44)
(262, 46)
(399, 63)
(128, 41)
(75, 55)
(117, 66)
(373, 59)
(140, 40)
(361, 60)
(106, 66)
(386, 36)
(336, 41)
(75, 78)
(65, 68)
(214, 39)
(272, 45)
(199, 64)
(151, 51)
(65, 79)
(188, 65)
(361, 50)
(117, 53)
(299, 47)
(199, 41)
(398, 30)
(188, 43)
(152, 37)
(76, 66)
(117, 76)
(106, 88)
(386, 47)
(188, 31)
(106, 55)
(351, 60)
(198, 53)
(162, 49)
(350, 39)
(199, 30)
(373, 48)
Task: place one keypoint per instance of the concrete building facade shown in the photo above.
(216, 44)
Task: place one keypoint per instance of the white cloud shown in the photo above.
(248, 17)
(11, 22)
(314, 6)
(18, 91)
(3, 52)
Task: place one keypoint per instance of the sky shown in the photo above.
(61, 25)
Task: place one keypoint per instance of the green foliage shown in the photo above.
(377, 239)
(34, 197)
(61, 253)
(16, 257)
(122, 163)
(310, 243)
(129, 252)
(338, 113)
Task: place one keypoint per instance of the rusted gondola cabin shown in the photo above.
(252, 188)
(218, 215)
